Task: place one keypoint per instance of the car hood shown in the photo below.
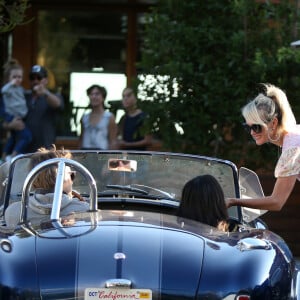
(152, 253)
(175, 258)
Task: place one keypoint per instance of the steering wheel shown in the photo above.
(58, 192)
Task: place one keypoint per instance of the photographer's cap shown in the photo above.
(38, 70)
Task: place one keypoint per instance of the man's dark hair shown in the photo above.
(102, 90)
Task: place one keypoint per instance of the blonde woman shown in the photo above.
(269, 119)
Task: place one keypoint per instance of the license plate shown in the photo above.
(114, 294)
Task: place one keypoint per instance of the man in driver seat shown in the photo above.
(40, 204)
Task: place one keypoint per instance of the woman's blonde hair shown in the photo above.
(46, 179)
(268, 105)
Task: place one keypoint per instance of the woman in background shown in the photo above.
(130, 126)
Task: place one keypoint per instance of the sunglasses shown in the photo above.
(72, 175)
(257, 128)
(35, 76)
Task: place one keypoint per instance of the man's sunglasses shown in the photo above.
(257, 128)
(72, 175)
(35, 76)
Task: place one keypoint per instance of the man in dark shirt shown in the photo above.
(43, 107)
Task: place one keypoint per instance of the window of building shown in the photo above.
(81, 48)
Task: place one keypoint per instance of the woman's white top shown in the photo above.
(96, 137)
(289, 161)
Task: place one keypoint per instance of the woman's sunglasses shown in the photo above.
(257, 128)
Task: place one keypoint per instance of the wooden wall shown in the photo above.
(286, 222)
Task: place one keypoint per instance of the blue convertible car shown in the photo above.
(129, 242)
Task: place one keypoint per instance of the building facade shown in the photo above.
(81, 43)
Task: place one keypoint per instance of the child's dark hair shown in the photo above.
(11, 64)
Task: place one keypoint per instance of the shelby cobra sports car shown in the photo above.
(129, 243)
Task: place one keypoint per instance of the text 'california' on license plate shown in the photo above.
(115, 294)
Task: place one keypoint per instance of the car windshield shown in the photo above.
(142, 174)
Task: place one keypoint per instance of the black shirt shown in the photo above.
(131, 129)
(41, 120)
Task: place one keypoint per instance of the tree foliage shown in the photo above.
(12, 13)
(207, 59)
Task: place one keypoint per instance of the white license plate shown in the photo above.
(114, 294)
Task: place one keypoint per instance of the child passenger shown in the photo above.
(203, 200)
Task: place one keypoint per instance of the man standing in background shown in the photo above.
(43, 108)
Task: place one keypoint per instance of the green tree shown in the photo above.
(207, 59)
(12, 13)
